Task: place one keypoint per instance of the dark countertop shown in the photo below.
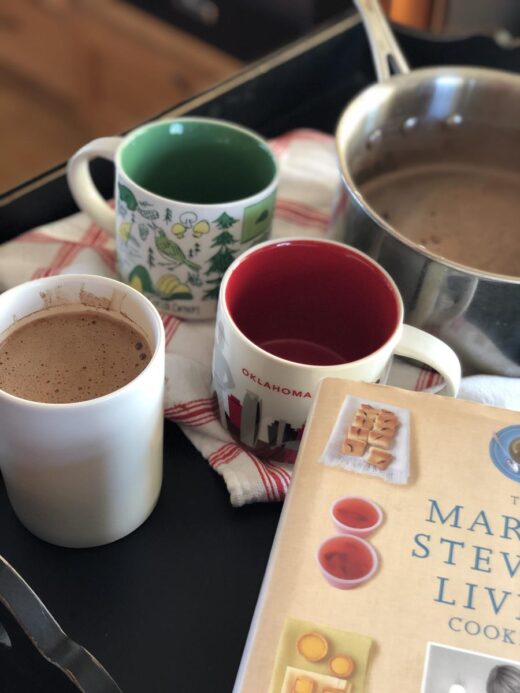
(168, 608)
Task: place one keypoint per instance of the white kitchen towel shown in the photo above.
(492, 389)
(308, 186)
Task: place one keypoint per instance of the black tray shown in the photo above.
(168, 608)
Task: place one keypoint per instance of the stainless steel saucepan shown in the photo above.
(439, 148)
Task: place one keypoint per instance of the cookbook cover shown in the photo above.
(396, 564)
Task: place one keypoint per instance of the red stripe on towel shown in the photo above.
(195, 413)
(224, 455)
(280, 475)
(264, 477)
(283, 142)
(300, 213)
(171, 325)
(68, 250)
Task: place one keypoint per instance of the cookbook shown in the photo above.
(396, 563)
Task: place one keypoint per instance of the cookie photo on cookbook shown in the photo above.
(371, 438)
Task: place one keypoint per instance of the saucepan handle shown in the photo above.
(421, 346)
(386, 53)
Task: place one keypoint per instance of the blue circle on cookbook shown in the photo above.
(504, 450)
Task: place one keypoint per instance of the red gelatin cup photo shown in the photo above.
(346, 561)
(356, 515)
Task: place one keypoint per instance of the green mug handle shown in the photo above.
(82, 188)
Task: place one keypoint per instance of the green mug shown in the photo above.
(191, 194)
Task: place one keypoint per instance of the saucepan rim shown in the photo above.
(344, 132)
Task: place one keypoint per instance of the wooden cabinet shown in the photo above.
(98, 66)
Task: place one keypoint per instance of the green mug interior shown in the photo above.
(197, 161)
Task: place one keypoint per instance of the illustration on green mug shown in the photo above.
(167, 256)
(191, 194)
(189, 221)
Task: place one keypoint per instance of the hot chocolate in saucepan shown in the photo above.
(461, 213)
(71, 354)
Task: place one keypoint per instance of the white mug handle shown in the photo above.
(421, 346)
(81, 185)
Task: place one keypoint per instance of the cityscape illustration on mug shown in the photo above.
(244, 419)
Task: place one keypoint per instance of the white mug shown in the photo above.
(191, 194)
(86, 473)
(294, 311)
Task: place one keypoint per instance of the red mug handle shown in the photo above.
(421, 346)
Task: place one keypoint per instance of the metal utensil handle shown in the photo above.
(28, 612)
(386, 52)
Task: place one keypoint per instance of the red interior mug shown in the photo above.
(294, 311)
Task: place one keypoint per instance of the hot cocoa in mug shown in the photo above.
(81, 407)
(70, 354)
